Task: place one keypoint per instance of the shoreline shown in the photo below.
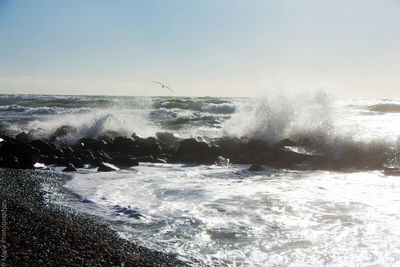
(40, 232)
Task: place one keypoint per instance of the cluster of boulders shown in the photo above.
(110, 152)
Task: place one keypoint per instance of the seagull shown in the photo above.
(164, 86)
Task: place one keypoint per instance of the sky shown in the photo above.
(349, 48)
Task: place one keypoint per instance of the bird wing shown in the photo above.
(158, 83)
(169, 88)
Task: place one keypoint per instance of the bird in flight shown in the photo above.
(164, 86)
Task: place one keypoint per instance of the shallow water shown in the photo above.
(226, 215)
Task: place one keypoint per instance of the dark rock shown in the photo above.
(10, 161)
(108, 135)
(229, 146)
(160, 160)
(169, 139)
(25, 153)
(287, 158)
(24, 137)
(92, 144)
(106, 167)
(255, 168)
(122, 144)
(49, 159)
(70, 168)
(148, 146)
(145, 158)
(193, 151)
(263, 158)
(283, 143)
(252, 146)
(63, 131)
(75, 161)
(43, 147)
(123, 160)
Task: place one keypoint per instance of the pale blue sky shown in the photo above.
(206, 47)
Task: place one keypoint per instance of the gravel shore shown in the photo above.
(42, 233)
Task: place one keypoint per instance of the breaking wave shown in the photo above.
(219, 108)
(275, 117)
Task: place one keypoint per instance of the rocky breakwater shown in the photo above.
(110, 151)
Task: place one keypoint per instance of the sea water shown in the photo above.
(226, 215)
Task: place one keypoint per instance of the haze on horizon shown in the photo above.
(349, 48)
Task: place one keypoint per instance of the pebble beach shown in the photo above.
(39, 232)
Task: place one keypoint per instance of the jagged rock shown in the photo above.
(24, 137)
(43, 147)
(287, 158)
(63, 131)
(122, 144)
(283, 143)
(25, 153)
(255, 168)
(108, 135)
(106, 167)
(70, 168)
(169, 139)
(149, 158)
(76, 161)
(229, 146)
(10, 161)
(252, 146)
(263, 158)
(193, 151)
(123, 160)
(148, 146)
(93, 144)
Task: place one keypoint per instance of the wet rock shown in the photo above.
(122, 160)
(193, 151)
(145, 158)
(106, 167)
(169, 139)
(287, 158)
(70, 168)
(252, 146)
(75, 161)
(63, 130)
(108, 135)
(92, 144)
(283, 143)
(255, 168)
(148, 146)
(263, 158)
(122, 144)
(25, 153)
(50, 159)
(43, 147)
(24, 137)
(229, 146)
(10, 161)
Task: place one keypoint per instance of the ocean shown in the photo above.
(223, 214)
